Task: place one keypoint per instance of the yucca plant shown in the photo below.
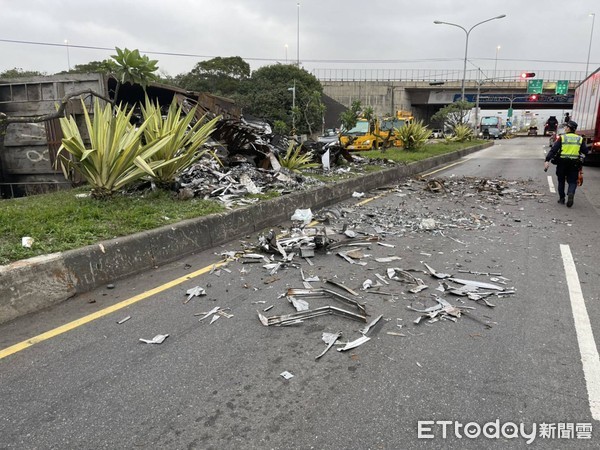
(461, 133)
(295, 161)
(182, 148)
(412, 135)
(116, 156)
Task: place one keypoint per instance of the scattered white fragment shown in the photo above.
(101, 248)
(388, 259)
(214, 319)
(358, 194)
(303, 215)
(350, 345)
(286, 375)
(428, 224)
(209, 313)
(158, 339)
(27, 241)
(383, 244)
(125, 319)
(419, 364)
(195, 292)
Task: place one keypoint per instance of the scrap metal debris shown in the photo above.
(350, 345)
(158, 339)
(330, 339)
(194, 292)
(287, 375)
(299, 317)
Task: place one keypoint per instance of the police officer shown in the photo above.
(567, 153)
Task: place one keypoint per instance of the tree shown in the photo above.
(18, 72)
(107, 66)
(132, 67)
(349, 117)
(220, 76)
(453, 114)
(268, 94)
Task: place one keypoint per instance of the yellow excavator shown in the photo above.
(375, 133)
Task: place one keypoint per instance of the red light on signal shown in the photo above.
(527, 75)
(533, 98)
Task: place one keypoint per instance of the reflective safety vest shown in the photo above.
(570, 144)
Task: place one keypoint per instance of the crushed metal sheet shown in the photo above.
(388, 259)
(366, 328)
(268, 308)
(194, 292)
(330, 339)
(323, 292)
(367, 284)
(432, 271)
(383, 244)
(395, 333)
(478, 284)
(350, 345)
(214, 319)
(342, 286)
(382, 278)
(350, 260)
(287, 375)
(298, 317)
(210, 313)
(158, 339)
(299, 304)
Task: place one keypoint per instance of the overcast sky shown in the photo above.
(334, 34)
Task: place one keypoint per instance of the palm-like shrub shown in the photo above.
(295, 161)
(116, 157)
(182, 148)
(412, 135)
(461, 133)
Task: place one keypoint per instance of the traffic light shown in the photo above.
(527, 75)
(533, 98)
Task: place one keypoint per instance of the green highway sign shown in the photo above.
(535, 86)
(562, 87)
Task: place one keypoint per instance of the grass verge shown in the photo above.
(62, 220)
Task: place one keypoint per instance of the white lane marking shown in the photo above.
(551, 184)
(585, 336)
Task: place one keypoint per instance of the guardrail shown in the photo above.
(431, 75)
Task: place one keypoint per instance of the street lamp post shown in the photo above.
(298, 37)
(293, 89)
(68, 57)
(496, 61)
(467, 32)
(593, 16)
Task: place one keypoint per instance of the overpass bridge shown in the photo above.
(424, 91)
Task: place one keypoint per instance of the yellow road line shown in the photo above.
(444, 168)
(103, 312)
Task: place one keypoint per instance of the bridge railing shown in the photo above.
(431, 75)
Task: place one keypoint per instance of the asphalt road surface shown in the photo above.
(73, 377)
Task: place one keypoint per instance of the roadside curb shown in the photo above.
(33, 284)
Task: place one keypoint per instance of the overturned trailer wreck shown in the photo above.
(28, 150)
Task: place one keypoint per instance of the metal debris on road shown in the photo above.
(158, 339)
(323, 292)
(330, 339)
(123, 320)
(366, 328)
(209, 313)
(194, 292)
(350, 345)
(286, 375)
(299, 317)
